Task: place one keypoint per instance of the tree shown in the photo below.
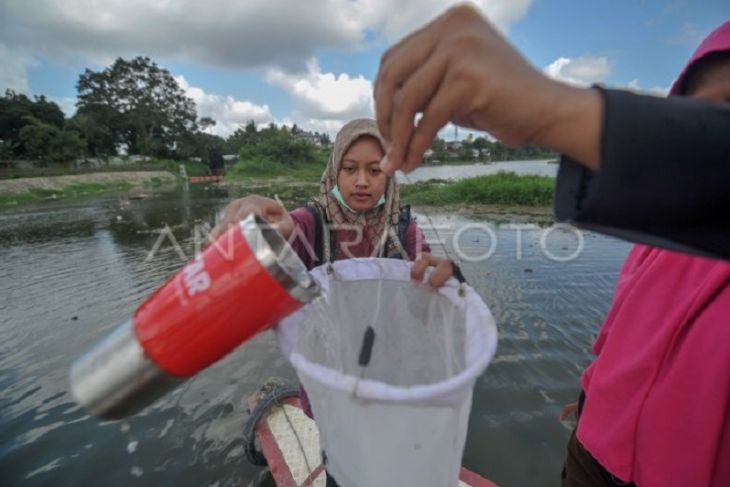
(37, 138)
(439, 149)
(248, 135)
(324, 139)
(139, 104)
(100, 137)
(205, 123)
(47, 143)
(279, 146)
(466, 153)
(481, 143)
(17, 111)
(66, 147)
(202, 145)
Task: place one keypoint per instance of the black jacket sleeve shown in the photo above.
(664, 177)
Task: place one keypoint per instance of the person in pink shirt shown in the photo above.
(655, 407)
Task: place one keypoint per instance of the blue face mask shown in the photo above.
(338, 196)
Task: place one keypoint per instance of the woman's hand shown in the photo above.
(444, 269)
(270, 210)
(459, 68)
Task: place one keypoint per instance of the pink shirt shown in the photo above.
(657, 408)
(414, 242)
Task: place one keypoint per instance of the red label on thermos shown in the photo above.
(216, 302)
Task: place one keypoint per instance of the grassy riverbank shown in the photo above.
(503, 192)
(23, 191)
(193, 168)
(74, 191)
(266, 171)
(496, 189)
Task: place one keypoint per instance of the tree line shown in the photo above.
(135, 107)
(483, 149)
(132, 107)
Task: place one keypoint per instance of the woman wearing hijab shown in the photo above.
(655, 406)
(357, 213)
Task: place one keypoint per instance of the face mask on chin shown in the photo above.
(338, 196)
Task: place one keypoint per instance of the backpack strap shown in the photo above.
(324, 238)
(404, 219)
(318, 235)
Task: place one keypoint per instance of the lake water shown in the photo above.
(424, 173)
(72, 272)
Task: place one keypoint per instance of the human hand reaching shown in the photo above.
(459, 69)
(443, 269)
(270, 210)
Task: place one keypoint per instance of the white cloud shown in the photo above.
(634, 85)
(451, 132)
(14, 65)
(215, 32)
(66, 103)
(325, 96)
(580, 71)
(396, 19)
(220, 32)
(228, 112)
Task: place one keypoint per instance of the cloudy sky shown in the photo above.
(312, 62)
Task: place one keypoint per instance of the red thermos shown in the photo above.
(244, 283)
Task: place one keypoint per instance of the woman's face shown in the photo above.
(712, 81)
(360, 179)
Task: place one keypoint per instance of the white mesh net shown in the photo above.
(401, 418)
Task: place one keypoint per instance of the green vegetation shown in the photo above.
(469, 150)
(498, 189)
(73, 191)
(503, 190)
(193, 168)
(132, 107)
(136, 104)
(276, 152)
(257, 169)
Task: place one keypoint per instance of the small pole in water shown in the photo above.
(184, 176)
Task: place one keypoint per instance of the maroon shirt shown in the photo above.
(302, 240)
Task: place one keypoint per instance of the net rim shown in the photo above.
(481, 333)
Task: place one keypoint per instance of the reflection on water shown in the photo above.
(70, 273)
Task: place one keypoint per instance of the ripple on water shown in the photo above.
(71, 273)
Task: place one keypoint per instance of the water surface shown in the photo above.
(72, 272)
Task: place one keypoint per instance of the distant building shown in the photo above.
(453, 145)
(314, 139)
(229, 160)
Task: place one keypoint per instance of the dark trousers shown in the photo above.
(581, 469)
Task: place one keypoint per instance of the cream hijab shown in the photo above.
(378, 224)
